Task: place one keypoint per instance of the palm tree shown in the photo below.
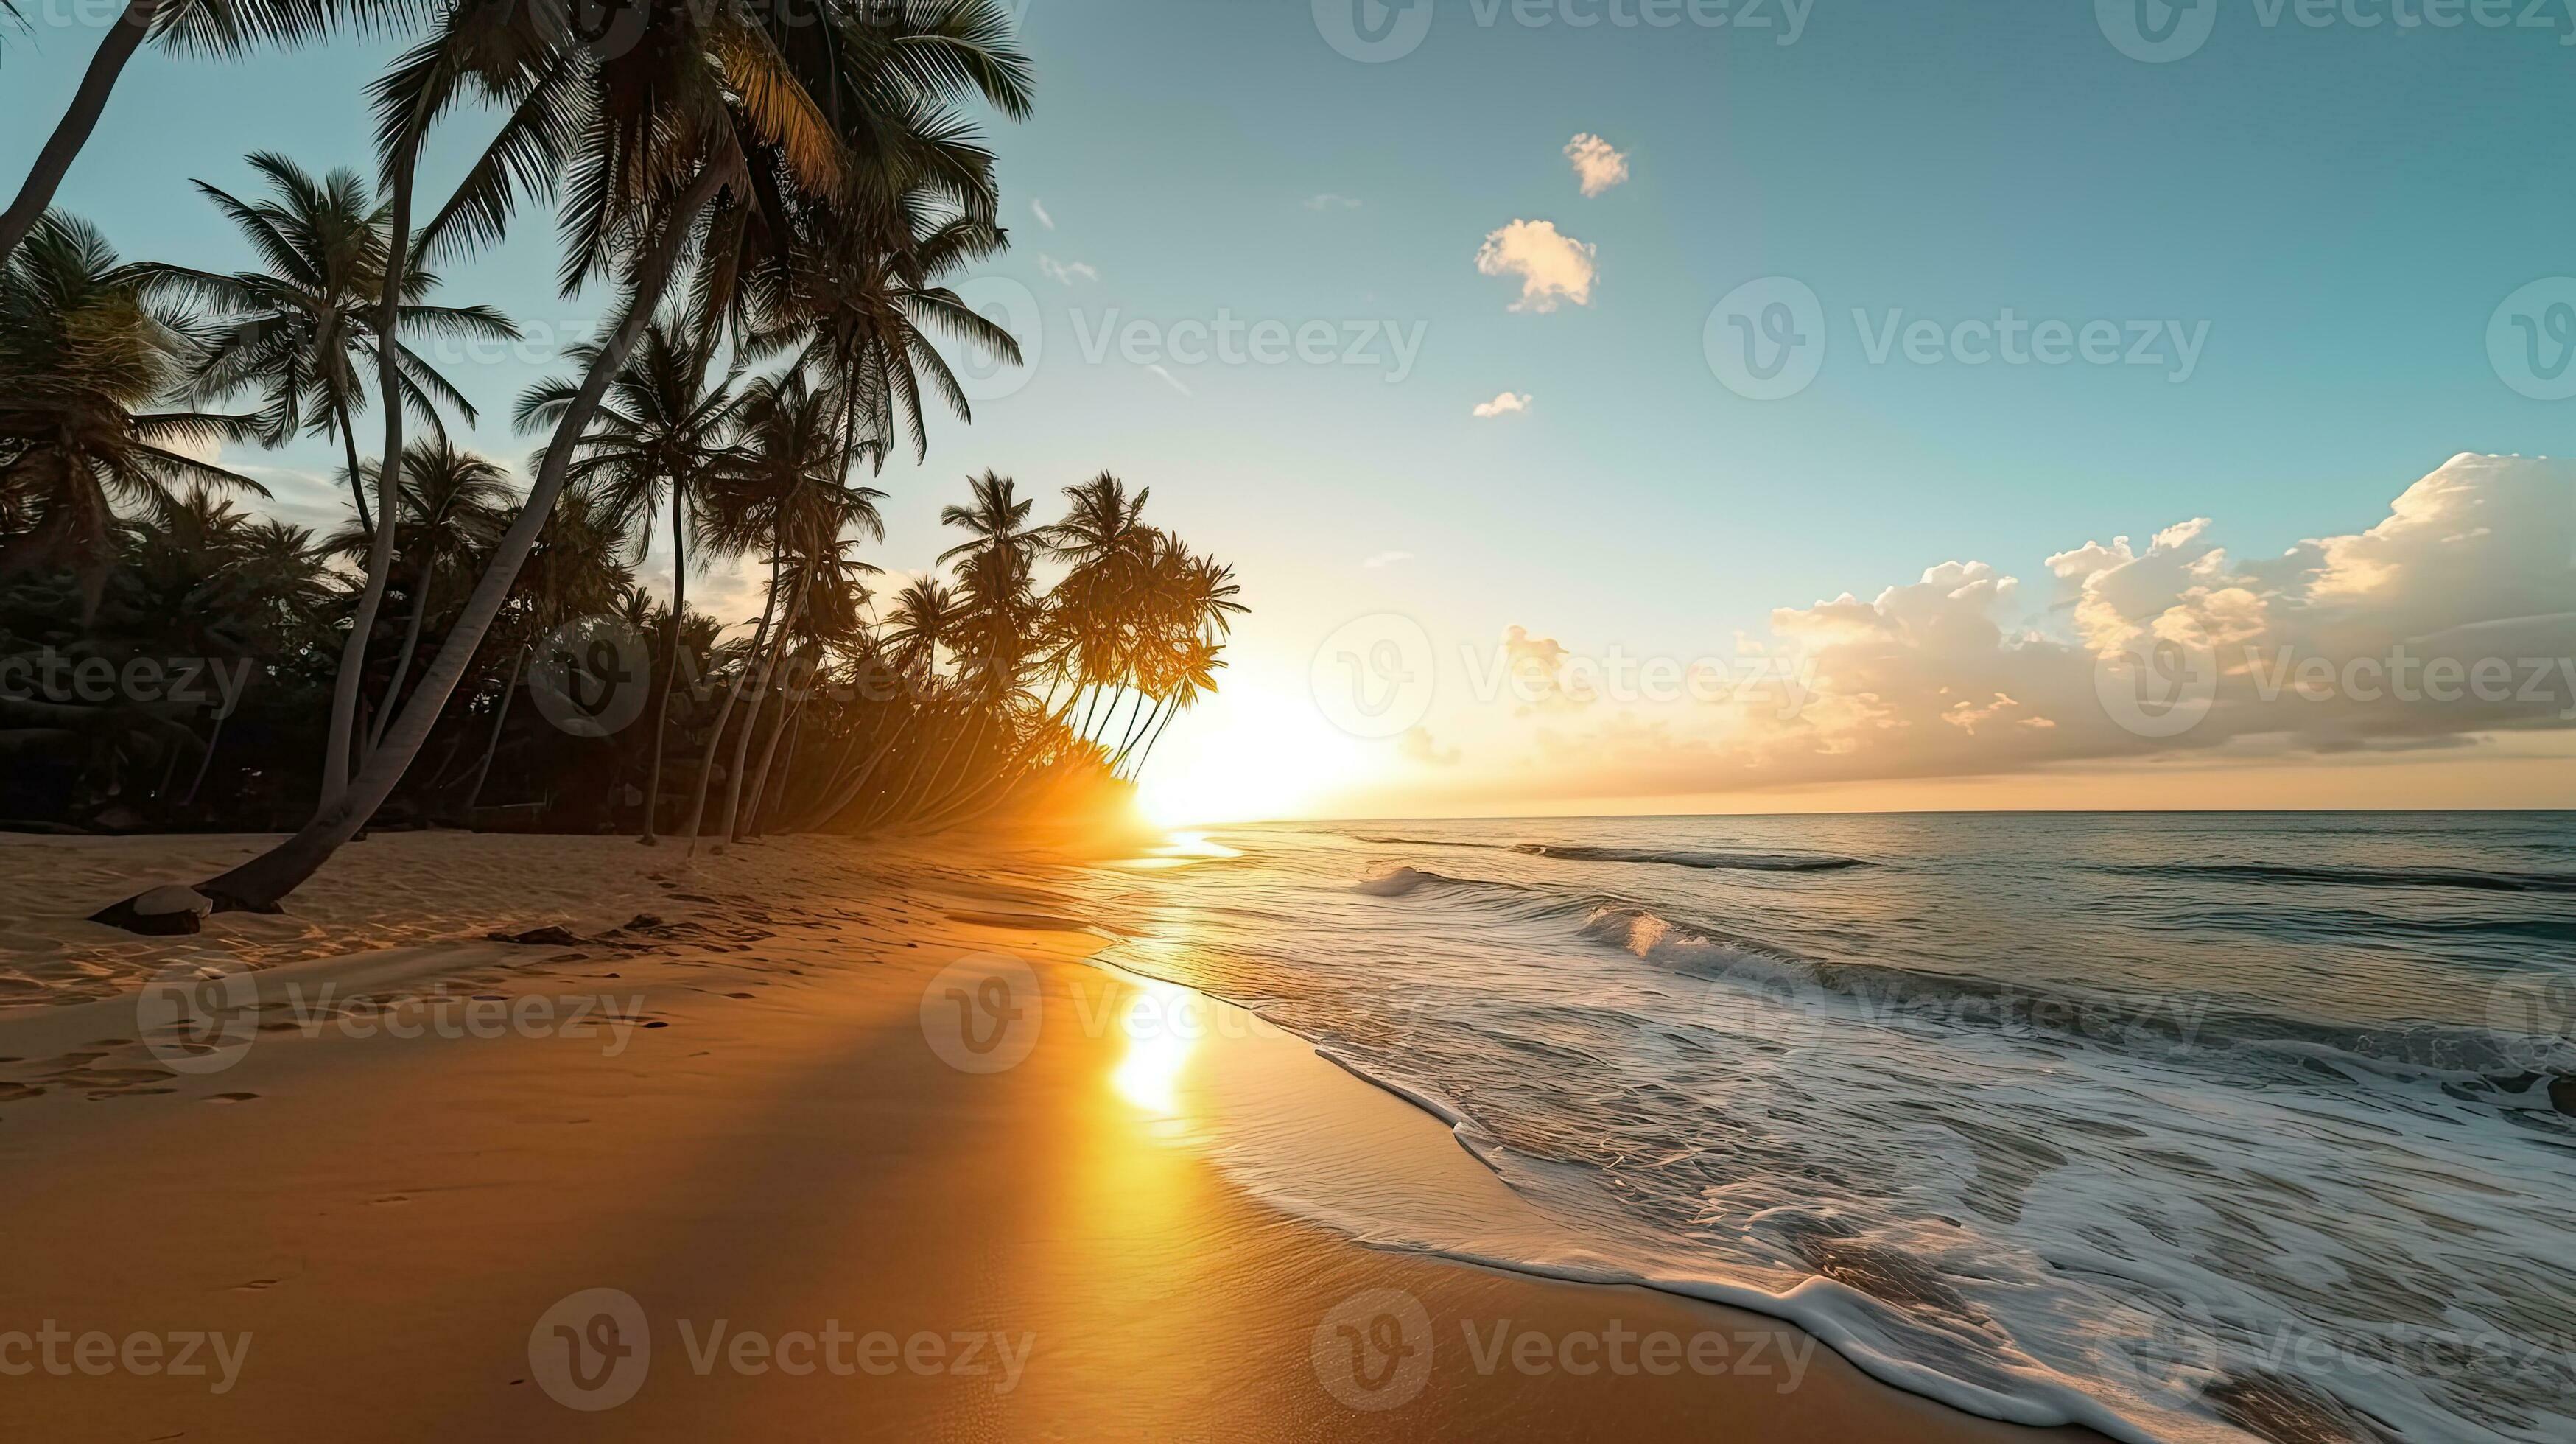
(647, 137)
(658, 435)
(291, 331)
(82, 349)
(222, 28)
(453, 504)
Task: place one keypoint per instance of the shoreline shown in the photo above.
(778, 1144)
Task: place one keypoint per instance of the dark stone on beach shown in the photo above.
(546, 937)
(162, 912)
(641, 922)
(2562, 1094)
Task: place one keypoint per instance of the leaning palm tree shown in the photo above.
(644, 138)
(293, 331)
(453, 504)
(83, 349)
(221, 28)
(659, 434)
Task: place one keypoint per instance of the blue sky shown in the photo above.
(2341, 207)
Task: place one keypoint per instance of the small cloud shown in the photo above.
(1596, 165)
(1510, 403)
(1169, 379)
(1387, 559)
(1038, 208)
(1331, 202)
(1552, 266)
(1065, 273)
(1417, 745)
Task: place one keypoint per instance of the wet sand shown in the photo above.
(853, 1144)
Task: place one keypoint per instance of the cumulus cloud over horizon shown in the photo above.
(1552, 266)
(2450, 621)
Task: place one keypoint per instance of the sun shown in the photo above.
(1252, 754)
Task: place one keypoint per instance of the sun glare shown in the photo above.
(1255, 754)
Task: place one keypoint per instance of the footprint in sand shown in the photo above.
(391, 1198)
(232, 1097)
(254, 1286)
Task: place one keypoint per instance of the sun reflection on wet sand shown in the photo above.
(1157, 1022)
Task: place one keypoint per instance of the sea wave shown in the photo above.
(1713, 861)
(2481, 880)
(2255, 1046)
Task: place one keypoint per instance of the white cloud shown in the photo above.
(1169, 379)
(1038, 208)
(1331, 202)
(1065, 273)
(1386, 559)
(1418, 745)
(1552, 266)
(2370, 643)
(1596, 165)
(1507, 404)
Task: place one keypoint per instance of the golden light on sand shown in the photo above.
(1160, 1024)
(1255, 753)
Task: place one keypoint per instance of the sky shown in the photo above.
(1500, 350)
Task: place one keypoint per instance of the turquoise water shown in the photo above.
(2183, 1126)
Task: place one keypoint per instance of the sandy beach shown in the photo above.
(744, 1160)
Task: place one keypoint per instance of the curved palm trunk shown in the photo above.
(759, 696)
(846, 790)
(380, 548)
(1147, 755)
(492, 744)
(670, 664)
(410, 643)
(724, 714)
(212, 742)
(792, 714)
(357, 478)
(72, 132)
(259, 883)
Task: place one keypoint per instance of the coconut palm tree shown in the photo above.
(659, 434)
(292, 331)
(644, 138)
(83, 349)
(221, 28)
(453, 504)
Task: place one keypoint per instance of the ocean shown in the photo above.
(2182, 1126)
